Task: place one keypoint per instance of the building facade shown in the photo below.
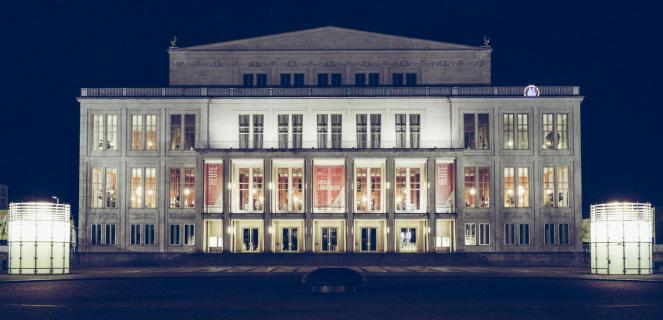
(330, 140)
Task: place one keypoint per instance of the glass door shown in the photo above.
(289, 240)
(369, 239)
(329, 239)
(250, 239)
(408, 240)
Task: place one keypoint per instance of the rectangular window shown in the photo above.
(135, 235)
(136, 188)
(189, 235)
(323, 79)
(337, 129)
(523, 237)
(415, 129)
(515, 131)
(470, 234)
(289, 239)
(368, 189)
(261, 80)
(397, 79)
(564, 234)
(250, 239)
(213, 186)
(409, 195)
(509, 234)
(476, 131)
(182, 191)
(297, 130)
(289, 195)
(360, 79)
(322, 130)
(401, 130)
(254, 80)
(247, 80)
(182, 132)
(484, 187)
(298, 80)
(549, 234)
(408, 239)
(286, 128)
(286, 80)
(376, 124)
(410, 79)
(329, 239)
(484, 234)
(556, 187)
(509, 188)
(444, 186)
(137, 137)
(258, 126)
(95, 236)
(555, 131)
(362, 129)
(149, 234)
(373, 79)
(251, 130)
(243, 131)
(329, 187)
(174, 237)
(336, 80)
(516, 191)
(248, 187)
(104, 187)
(109, 234)
(369, 239)
(283, 130)
(104, 132)
(470, 174)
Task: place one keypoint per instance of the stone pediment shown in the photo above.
(328, 38)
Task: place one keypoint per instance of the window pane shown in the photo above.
(508, 138)
(562, 187)
(523, 239)
(548, 134)
(483, 135)
(523, 131)
(322, 130)
(415, 128)
(373, 79)
(376, 123)
(257, 130)
(376, 189)
(98, 132)
(137, 142)
(361, 195)
(243, 131)
(484, 187)
(397, 79)
(469, 127)
(243, 191)
(111, 187)
(98, 194)
(247, 80)
(175, 132)
(564, 234)
(257, 190)
(509, 188)
(285, 80)
(444, 187)
(297, 189)
(283, 184)
(401, 189)
(337, 125)
(297, 130)
(361, 131)
(175, 179)
(189, 131)
(323, 79)
(400, 130)
(562, 131)
(261, 80)
(150, 187)
(111, 132)
(470, 234)
(549, 234)
(470, 187)
(336, 80)
(283, 131)
(523, 187)
(411, 79)
(189, 187)
(136, 188)
(299, 80)
(360, 79)
(415, 189)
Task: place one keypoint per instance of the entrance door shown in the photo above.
(408, 240)
(250, 239)
(615, 258)
(369, 239)
(214, 232)
(329, 239)
(289, 240)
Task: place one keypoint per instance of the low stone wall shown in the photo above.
(87, 260)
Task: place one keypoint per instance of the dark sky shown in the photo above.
(611, 50)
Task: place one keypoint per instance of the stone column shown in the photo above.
(349, 204)
(430, 192)
(308, 204)
(390, 203)
(267, 204)
(227, 204)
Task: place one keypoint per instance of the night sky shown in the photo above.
(612, 51)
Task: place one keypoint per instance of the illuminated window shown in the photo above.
(470, 234)
(248, 187)
(444, 186)
(289, 195)
(477, 191)
(484, 234)
(555, 131)
(214, 186)
(476, 131)
(470, 187)
(405, 129)
(549, 233)
(368, 188)
(516, 191)
(143, 132)
(182, 132)
(329, 187)
(369, 134)
(408, 239)
(409, 194)
(104, 132)
(182, 187)
(516, 131)
(556, 187)
(143, 188)
(104, 187)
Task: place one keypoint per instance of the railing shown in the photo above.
(326, 92)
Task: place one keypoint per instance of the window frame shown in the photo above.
(555, 131)
(370, 131)
(181, 187)
(470, 238)
(143, 186)
(476, 126)
(517, 184)
(478, 186)
(423, 186)
(183, 131)
(144, 145)
(556, 182)
(235, 185)
(104, 132)
(520, 139)
(328, 165)
(484, 234)
(104, 187)
(369, 166)
(289, 165)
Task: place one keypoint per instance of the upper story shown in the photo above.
(329, 56)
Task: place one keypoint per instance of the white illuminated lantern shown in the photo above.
(39, 238)
(621, 238)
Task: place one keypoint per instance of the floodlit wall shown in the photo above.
(621, 238)
(39, 238)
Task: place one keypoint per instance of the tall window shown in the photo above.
(369, 134)
(104, 187)
(555, 131)
(182, 132)
(509, 234)
(145, 234)
(516, 131)
(283, 130)
(324, 79)
(213, 186)
(189, 234)
(292, 79)
(149, 234)
(254, 80)
(373, 79)
(329, 187)
(556, 187)
(484, 234)
(324, 138)
(289, 195)
(248, 187)
(409, 194)
(564, 233)
(549, 233)
(135, 235)
(174, 236)
(104, 132)
(405, 129)
(477, 191)
(476, 131)
(404, 79)
(444, 186)
(470, 234)
(251, 130)
(143, 188)
(182, 187)
(143, 132)
(516, 191)
(322, 130)
(109, 234)
(95, 234)
(297, 130)
(523, 234)
(368, 188)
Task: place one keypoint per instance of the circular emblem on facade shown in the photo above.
(531, 91)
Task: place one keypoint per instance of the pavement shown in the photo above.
(295, 271)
